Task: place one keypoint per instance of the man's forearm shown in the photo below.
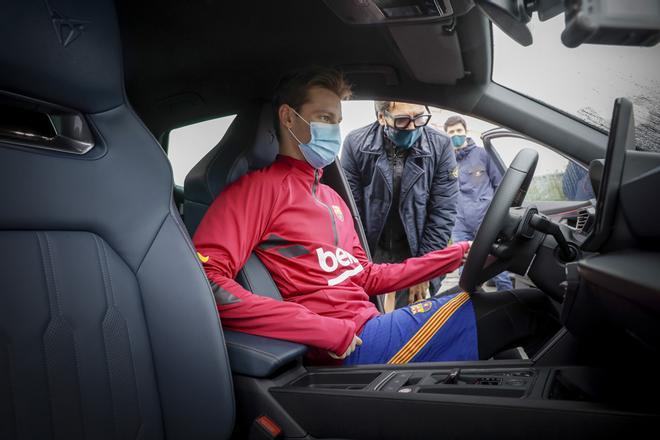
(246, 312)
(381, 278)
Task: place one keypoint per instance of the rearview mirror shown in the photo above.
(511, 16)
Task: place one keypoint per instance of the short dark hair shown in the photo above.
(453, 120)
(292, 88)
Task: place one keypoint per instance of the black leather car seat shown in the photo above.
(108, 327)
(248, 145)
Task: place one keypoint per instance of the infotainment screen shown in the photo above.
(622, 138)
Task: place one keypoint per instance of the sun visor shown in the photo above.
(371, 12)
(441, 64)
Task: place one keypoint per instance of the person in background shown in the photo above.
(576, 184)
(401, 173)
(478, 178)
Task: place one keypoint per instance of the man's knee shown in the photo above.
(510, 316)
(533, 299)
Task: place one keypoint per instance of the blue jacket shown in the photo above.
(576, 183)
(478, 178)
(427, 204)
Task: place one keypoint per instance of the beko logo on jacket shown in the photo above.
(330, 261)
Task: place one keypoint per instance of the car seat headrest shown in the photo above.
(68, 53)
(249, 144)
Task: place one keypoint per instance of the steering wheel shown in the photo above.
(495, 239)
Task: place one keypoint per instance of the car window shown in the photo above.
(188, 144)
(355, 114)
(475, 126)
(583, 81)
(359, 113)
(556, 178)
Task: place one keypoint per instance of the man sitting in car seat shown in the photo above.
(303, 232)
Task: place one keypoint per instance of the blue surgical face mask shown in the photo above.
(323, 147)
(458, 140)
(403, 138)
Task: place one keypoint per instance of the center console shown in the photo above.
(515, 382)
(548, 396)
(512, 399)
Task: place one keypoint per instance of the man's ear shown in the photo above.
(381, 118)
(284, 113)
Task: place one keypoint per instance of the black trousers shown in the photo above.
(511, 318)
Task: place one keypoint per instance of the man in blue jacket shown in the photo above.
(576, 183)
(402, 175)
(478, 178)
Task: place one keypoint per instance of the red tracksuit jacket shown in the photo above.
(303, 232)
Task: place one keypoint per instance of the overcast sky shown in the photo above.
(583, 81)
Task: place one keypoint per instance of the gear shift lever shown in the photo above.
(452, 377)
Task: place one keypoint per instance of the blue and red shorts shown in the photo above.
(437, 329)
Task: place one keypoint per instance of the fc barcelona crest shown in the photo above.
(420, 307)
(338, 213)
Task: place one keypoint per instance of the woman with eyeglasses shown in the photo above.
(402, 175)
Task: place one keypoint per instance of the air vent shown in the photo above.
(582, 220)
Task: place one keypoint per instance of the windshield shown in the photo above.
(584, 81)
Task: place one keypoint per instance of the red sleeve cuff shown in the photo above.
(465, 246)
(347, 339)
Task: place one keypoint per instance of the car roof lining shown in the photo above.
(189, 62)
(186, 63)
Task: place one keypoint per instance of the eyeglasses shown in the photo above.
(403, 121)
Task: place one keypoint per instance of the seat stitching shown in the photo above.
(130, 340)
(105, 345)
(256, 350)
